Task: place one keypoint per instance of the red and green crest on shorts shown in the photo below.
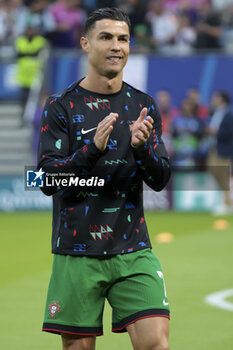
(54, 308)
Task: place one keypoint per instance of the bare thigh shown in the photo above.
(150, 333)
(75, 342)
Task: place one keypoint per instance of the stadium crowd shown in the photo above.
(159, 26)
(195, 134)
(199, 136)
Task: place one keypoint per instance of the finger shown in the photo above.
(141, 135)
(114, 119)
(145, 126)
(149, 122)
(107, 132)
(149, 119)
(137, 141)
(148, 126)
(146, 130)
(111, 122)
(142, 115)
(101, 137)
(110, 116)
(108, 127)
(107, 121)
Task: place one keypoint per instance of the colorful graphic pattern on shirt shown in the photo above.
(103, 220)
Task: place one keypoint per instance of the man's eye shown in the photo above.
(105, 37)
(123, 39)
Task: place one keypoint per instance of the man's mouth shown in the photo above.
(114, 59)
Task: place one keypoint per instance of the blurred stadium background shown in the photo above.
(190, 226)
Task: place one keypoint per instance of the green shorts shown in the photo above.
(132, 283)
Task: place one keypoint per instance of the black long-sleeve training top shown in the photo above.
(106, 219)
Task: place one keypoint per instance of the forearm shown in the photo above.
(212, 31)
(154, 166)
(80, 163)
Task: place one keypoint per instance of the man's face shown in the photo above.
(71, 4)
(107, 45)
(163, 98)
(216, 101)
(194, 95)
(38, 6)
(204, 9)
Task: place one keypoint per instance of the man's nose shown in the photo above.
(115, 45)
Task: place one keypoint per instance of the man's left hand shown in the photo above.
(141, 129)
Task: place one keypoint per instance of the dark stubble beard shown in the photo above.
(112, 75)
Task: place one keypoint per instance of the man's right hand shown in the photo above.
(103, 131)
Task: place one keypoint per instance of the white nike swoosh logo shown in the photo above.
(86, 131)
(165, 303)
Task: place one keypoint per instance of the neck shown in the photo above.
(102, 84)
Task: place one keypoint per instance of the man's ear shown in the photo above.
(84, 42)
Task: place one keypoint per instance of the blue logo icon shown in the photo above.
(35, 178)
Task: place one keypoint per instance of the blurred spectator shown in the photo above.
(187, 132)
(168, 114)
(3, 19)
(9, 12)
(163, 26)
(142, 41)
(221, 5)
(208, 28)
(28, 47)
(107, 3)
(172, 5)
(175, 5)
(70, 20)
(90, 5)
(220, 157)
(36, 125)
(184, 7)
(36, 15)
(136, 10)
(201, 110)
(16, 9)
(185, 36)
(227, 22)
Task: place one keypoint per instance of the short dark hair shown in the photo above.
(224, 96)
(113, 13)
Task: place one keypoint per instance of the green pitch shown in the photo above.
(197, 262)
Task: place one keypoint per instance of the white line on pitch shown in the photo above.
(218, 299)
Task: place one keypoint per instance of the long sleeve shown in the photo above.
(152, 157)
(54, 154)
(225, 128)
